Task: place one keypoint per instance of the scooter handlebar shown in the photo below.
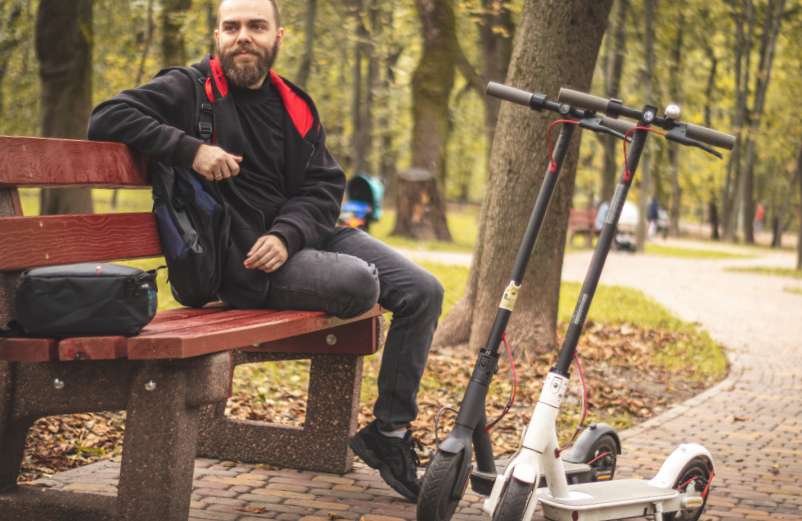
(582, 100)
(710, 136)
(497, 90)
(622, 126)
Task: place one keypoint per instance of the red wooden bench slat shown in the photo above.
(28, 349)
(45, 241)
(93, 348)
(175, 325)
(29, 161)
(360, 339)
(204, 339)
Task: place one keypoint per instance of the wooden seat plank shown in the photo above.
(28, 349)
(29, 161)
(52, 240)
(160, 327)
(204, 339)
(93, 348)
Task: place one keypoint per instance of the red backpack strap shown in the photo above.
(297, 107)
(219, 78)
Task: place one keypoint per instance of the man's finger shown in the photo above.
(232, 165)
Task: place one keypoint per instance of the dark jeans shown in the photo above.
(348, 276)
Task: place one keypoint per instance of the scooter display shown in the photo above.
(593, 456)
(679, 491)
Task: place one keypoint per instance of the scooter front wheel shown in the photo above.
(514, 501)
(440, 493)
(694, 477)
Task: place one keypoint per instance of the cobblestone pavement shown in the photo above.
(751, 422)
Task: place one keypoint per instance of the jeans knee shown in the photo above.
(359, 289)
(427, 296)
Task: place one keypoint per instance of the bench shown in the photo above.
(174, 378)
(581, 222)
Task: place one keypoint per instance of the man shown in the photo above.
(271, 165)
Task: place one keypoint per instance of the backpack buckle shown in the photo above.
(205, 130)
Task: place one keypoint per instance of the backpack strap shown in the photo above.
(205, 98)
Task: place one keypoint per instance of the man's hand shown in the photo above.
(215, 164)
(268, 254)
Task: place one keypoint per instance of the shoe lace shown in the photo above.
(414, 444)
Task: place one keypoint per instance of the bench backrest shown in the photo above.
(27, 242)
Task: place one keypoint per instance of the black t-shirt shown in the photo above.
(261, 180)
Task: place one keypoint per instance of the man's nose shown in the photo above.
(244, 35)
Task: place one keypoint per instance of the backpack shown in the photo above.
(192, 219)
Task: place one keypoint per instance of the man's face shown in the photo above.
(247, 41)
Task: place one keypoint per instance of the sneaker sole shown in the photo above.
(368, 456)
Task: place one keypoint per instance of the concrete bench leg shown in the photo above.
(321, 445)
(12, 432)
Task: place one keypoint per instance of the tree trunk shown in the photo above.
(496, 37)
(768, 44)
(676, 97)
(518, 162)
(305, 68)
(432, 83)
(612, 146)
(211, 24)
(64, 49)
(10, 38)
(798, 180)
(645, 192)
(174, 50)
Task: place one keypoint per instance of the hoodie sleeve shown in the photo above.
(152, 119)
(309, 215)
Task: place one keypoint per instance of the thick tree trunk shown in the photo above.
(613, 74)
(518, 162)
(174, 51)
(798, 181)
(432, 83)
(64, 49)
(305, 68)
(646, 190)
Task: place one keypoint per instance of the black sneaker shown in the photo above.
(394, 458)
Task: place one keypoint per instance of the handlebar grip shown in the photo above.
(582, 100)
(622, 126)
(497, 90)
(710, 136)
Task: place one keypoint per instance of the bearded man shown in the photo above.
(270, 163)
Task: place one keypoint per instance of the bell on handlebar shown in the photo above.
(673, 111)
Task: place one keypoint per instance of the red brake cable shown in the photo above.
(514, 374)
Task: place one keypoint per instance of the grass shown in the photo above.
(461, 223)
(795, 291)
(765, 270)
(692, 253)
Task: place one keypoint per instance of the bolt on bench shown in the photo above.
(174, 378)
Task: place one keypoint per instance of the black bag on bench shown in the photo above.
(85, 300)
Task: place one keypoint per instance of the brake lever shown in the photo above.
(678, 135)
(595, 124)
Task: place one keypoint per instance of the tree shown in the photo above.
(305, 67)
(612, 75)
(174, 51)
(421, 212)
(10, 37)
(64, 48)
(518, 160)
(647, 80)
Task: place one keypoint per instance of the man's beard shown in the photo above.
(248, 74)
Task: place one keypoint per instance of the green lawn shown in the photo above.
(773, 272)
(795, 291)
(461, 223)
(692, 253)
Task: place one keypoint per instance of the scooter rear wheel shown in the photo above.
(602, 458)
(513, 501)
(437, 501)
(696, 473)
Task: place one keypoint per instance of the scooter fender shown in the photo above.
(671, 468)
(581, 449)
(453, 445)
(522, 467)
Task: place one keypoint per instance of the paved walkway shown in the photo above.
(751, 422)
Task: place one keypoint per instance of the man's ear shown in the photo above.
(280, 34)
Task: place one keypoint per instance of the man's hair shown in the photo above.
(276, 12)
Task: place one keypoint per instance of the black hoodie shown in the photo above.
(159, 120)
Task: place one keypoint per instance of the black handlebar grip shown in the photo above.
(622, 126)
(582, 100)
(710, 136)
(497, 90)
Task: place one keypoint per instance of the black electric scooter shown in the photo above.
(594, 455)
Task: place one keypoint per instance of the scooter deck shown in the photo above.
(606, 500)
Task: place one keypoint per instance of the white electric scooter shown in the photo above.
(681, 487)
